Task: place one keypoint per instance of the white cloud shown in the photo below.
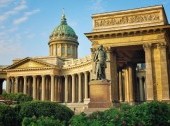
(25, 17)
(32, 12)
(11, 36)
(20, 20)
(97, 5)
(21, 6)
(5, 2)
(10, 45)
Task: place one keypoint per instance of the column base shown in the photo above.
(100, 96)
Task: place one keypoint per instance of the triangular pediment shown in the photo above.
(29, 63)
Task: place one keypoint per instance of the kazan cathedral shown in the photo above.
(136, 42)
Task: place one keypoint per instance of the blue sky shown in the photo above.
(25, 25)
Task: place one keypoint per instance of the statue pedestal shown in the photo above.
(100, 94)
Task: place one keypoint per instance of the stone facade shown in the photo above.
(130, 38)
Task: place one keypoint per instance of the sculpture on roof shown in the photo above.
(100, 63)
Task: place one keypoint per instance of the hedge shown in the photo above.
(46, 109)
(41, 121)
(8, 116)
(19, 97)
(146, 114)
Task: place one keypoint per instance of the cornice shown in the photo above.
(77, 66)
(31, 69)
(127, 32)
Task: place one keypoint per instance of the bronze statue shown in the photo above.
(100, 63)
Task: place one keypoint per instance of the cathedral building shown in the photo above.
(138, 59)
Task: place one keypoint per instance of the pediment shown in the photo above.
(29, 63)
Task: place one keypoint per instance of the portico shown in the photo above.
(130, 40)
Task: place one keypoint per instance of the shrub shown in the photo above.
(8, 116)
(147, 114)
(152, 114)
(79, 120)
(19, 97)
(41, 121)
(46, 109)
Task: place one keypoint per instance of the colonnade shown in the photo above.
(68, 88)
(131, 84)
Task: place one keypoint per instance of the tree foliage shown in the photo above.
(41, 121)
(46, 109)
(18, 97)
(8, 116)
(146, 114)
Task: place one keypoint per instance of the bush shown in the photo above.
(146, 114)
(79, 120)
(46, 109)
(42, 121)
(152, 114)
(8, 116)
(19, 97)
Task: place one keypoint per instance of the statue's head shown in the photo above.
(100, 47)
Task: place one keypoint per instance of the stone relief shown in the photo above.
(126, 20)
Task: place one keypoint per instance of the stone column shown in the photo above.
(120, 86)
(43, 88)
(16, 84)
(149, 72)
(20, 85)
(52, 87)
(164, 72)
(71, 50)
(76, 52)
(8, 85)
(54, 50)
(126, 86)
(86, 85)
(80, 87)
(34, 87)
(55, 88)
(25, 84)
(130, 87)
(51, 49)
(66, 88)
(73, 88)
(65, 50)
(12, 84)
(111, 72)
(141, 88)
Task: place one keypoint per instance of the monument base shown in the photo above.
(100, 94)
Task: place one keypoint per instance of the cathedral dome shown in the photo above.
(64, 30)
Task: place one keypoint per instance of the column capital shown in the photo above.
(108, 49)
(147, 46)
(85, 72)
(162, 45)
(52, 75)
(79, 74)
(43, 75)
(73, 75)
(65, 76)
(16, 77)
(34, 76)
(24, 76)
